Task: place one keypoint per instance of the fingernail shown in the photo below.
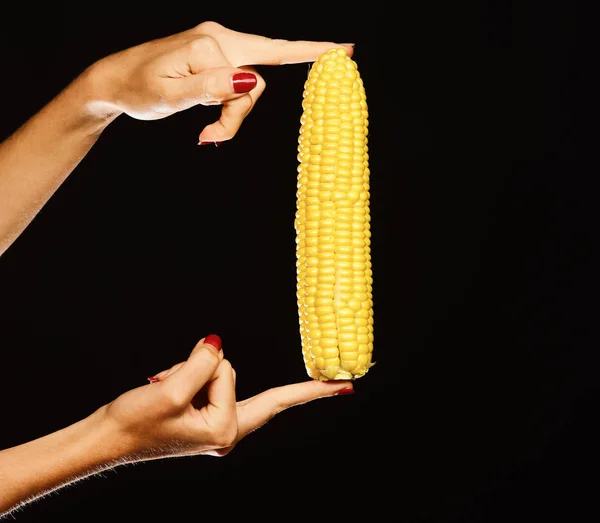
(214, 340)
(243, 82)
(208, 143)
(351, 45)
(152, 379)
(343, 392)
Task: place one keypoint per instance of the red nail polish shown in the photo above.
(209, 143)
(214, 340)
(152, 379)
(343, 392)
(243, 82)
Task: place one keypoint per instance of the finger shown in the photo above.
(163, 374)
(233, 113)
(211, 339)
(250, 49)
(220, 392)
(196, 371)
(260, 51)
(213, 86)
(260, 87)
(226, 127)
(259, 409)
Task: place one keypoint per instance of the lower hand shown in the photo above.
(191, 409)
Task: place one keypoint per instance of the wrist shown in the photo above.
(88, 100)
(105, 444)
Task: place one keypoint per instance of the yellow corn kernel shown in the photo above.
(333, 247)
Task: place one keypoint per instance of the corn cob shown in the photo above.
(333, 253)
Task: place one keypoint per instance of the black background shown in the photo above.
(481, 403)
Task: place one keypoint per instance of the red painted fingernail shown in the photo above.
(209, 143)
(152, 379)
(214, 340)
(343, 392)
(243, 82)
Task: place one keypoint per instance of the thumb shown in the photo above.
(215, 86)
(196, 371)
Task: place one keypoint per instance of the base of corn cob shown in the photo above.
(334, 276)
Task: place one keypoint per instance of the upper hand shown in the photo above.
(192, 408)
(196, 67)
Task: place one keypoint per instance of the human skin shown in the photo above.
(190, 409)
(150, 81)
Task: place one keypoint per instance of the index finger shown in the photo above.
(265, 51)
(259, 409)
(249, 49)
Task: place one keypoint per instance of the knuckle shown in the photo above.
(205, 45)
(279, 408)
(207, 352)
(176, 400)
(278, 45)
(209, 27)
(278, 404)
(226, 364)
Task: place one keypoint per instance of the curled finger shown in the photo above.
(233, 112)
(211, 339)
(162, 375)
(214, 86)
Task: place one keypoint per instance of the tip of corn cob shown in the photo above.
(334, 276)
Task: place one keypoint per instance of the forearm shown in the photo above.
(40, 155)
(36, 468)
